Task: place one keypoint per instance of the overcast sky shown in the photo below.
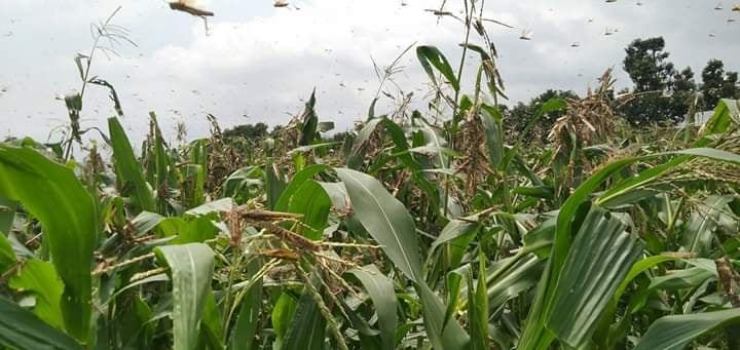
(258, 62)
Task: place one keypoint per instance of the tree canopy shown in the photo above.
(717, 83)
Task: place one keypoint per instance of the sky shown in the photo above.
(259, 63)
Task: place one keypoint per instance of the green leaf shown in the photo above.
(452, 243)
(386, 219)
(491, 118)
(160, 277)
(605, 331)
(309, 122)
(69, 218)
(430, 56)
(369, 338)
(242, 336)
(506, 285)
(299, 178)
(7, 255)
(381, 291)
(488, 66)
(454, 281)
(543, 192)
(534, 335)
(338, 195)
(7, 214)
(314, 204)
(305, 196)
(129, 172)
(597, 262)
(436, 145)
(160, 170)
(725, 114)
(357, 154)
(281, 315)
(638, 268)
(711, 153)
(391, 225)
(701, 224)
(21, 329)
(41, 279)
(274, 185)
(681, 279)
(146, 221)
(627, 185)
(193, 190)
(674, 332)
(371, 109)
(456, 230)
(191, 229)
(134, 327)
(308, 327)
(218, 206)
(193, 176)
(478, 307)
(539, 239)
(442, 334)
(237, 185)
(212, 329)
(191, 266)
(398, 137)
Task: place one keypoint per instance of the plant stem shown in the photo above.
(453, 129)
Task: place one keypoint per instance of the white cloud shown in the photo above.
(260, 61)
(271, 61)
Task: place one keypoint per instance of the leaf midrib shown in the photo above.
(395, 234)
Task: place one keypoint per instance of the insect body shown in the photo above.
(187, 6)
(526, 35)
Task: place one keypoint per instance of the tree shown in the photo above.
(717, 83)
(683, 92)
(647, 65)
(684, 80)
(731, 88)
(245, 137)
(661, 94)
(248, 131)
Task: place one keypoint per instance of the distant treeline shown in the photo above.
(661, 94)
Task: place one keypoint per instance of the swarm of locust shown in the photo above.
(373, 146)
(315, 263)
(472, 145)
(589, 120)
(287, 138)
(223, 158)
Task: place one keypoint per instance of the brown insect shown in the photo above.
(266, 215)
(188, 6)
(526, 35)
(283, 254)
(728, 280)
(280, 3)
